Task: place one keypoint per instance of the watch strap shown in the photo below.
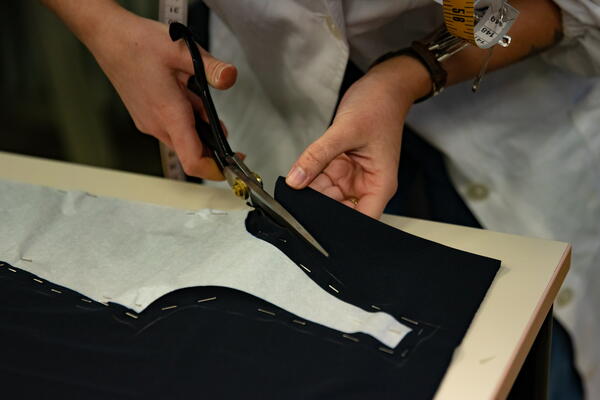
(420, 51)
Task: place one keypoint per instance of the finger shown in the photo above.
(211, 170)
(194, 163)
(161, 135)
(321, 182)
(316, 157)
(334, 193)
(196, 100)
(182, 133)
(165, 139)
(219, 74)
(372, 204)
(198, 106)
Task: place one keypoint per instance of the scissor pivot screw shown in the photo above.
(240, 189)
(257, 178)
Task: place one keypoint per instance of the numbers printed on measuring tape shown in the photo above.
(482, 23)
(173, 11)
(494, 19)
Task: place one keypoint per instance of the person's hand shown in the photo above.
(150, 73)
(356, 159)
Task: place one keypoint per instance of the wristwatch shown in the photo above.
(431, 51)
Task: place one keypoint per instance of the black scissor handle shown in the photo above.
(198, 84)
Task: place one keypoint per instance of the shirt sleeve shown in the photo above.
(579, 50)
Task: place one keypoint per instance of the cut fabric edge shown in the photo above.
(379, 325)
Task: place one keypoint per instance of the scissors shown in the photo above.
(245, 183)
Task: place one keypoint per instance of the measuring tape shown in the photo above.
(172, 11)
(482, 23)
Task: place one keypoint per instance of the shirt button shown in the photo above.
(477, 191)
(335, 31)
(565, 296)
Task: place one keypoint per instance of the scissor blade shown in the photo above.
(272, 207)
(236, 169)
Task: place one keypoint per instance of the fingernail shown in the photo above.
(295, 177)
(223, 68)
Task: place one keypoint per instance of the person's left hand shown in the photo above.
(356, 160)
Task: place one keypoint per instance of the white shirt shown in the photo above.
(524, 151)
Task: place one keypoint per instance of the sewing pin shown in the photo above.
(410, 320)
(203, 300)
(266, 312)
(303, 267)
(334, 289)
(350, 337)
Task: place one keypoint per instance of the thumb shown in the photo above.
(314, 159)
(219, 74)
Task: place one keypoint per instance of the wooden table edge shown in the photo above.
(533, 326)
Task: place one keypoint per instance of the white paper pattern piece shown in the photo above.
(134, 253)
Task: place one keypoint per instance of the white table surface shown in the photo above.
(489, 359)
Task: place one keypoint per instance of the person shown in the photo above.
(523, 153)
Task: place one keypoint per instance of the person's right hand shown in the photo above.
(150, 73)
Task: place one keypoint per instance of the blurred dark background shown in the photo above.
(56, 101)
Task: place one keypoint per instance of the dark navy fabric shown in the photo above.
(57, 343)
(426, 191)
